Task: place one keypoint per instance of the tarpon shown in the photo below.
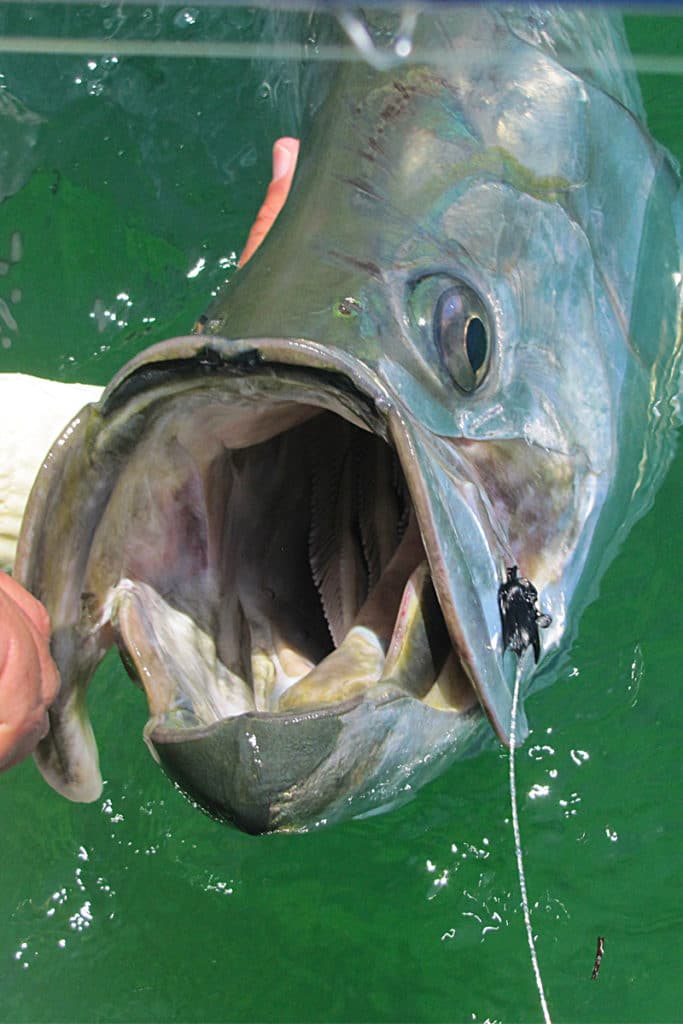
(385, 475)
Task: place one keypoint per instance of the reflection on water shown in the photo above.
(129, 190)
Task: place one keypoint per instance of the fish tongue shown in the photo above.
(185, 682)
(401, 617)
(350, 670)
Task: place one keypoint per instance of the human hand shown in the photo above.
(285, 154)
(29, 679)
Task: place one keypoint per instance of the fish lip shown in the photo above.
(199, 355)
(383, 413)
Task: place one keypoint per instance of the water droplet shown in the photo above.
(197, 268)
(538, 752)
(188, 16)
(16, 247)
(403, 47)
(6, 316)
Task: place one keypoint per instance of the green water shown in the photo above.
(140, 908)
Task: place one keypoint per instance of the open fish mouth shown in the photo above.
(305, 597)
(292, 592)
(314, 584)
(304, 592)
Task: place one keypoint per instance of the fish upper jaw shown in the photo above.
(468, 554)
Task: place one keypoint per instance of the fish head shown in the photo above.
(307, 527)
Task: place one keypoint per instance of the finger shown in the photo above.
(285, 154)
(29, 682)
(22, 710)
(49, 673)
(29, 605)
(16, 746)
(20, 609)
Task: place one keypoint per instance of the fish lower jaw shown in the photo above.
(188, 687)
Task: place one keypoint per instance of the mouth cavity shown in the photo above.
(293, 578)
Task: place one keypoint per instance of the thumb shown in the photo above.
(285, 154)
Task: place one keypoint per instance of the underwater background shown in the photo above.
(128, 184)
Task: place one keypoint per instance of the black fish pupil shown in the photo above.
(475, 343)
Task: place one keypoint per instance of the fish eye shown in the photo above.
(455, 319)
(461, 332)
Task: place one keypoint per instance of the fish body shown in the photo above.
(454, 359)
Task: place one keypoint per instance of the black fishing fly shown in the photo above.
(520, 615)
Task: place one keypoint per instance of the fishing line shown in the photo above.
(518, 851)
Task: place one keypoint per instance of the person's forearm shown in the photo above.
(33, 413)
